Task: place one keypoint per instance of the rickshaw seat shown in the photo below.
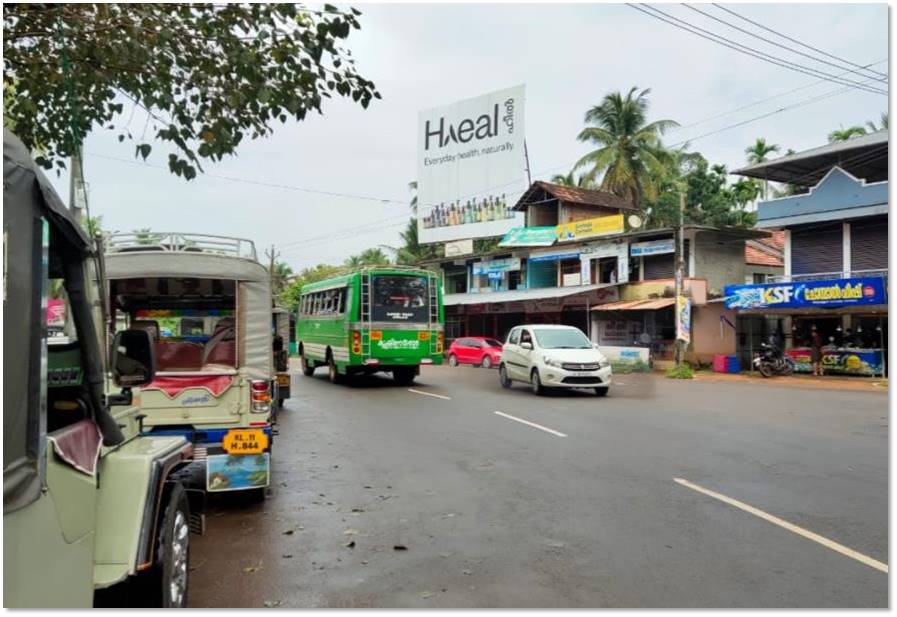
(224, 352)
(174, 355)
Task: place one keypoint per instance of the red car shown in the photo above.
(476, 350)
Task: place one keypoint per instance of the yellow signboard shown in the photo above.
(589, 228)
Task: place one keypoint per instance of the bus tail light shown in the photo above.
(261, 396)
(440, 339)
(356, 341)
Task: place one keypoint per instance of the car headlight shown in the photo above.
(603, 362)
(549, 361)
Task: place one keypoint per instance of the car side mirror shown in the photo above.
(526, 345)
(133, 358)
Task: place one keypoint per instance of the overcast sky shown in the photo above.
(422, 56)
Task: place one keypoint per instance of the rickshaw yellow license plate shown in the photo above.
(283, 380)
(251, 441)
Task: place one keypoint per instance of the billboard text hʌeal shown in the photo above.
(471, 167)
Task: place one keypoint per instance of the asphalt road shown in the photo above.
(383, 497)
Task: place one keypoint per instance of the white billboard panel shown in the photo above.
(470, 159)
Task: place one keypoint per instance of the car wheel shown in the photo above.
(503, 377)
(165, 584)
(601, 391)
(453, 360)
(536, 383)
(487, 362)
(308, 369)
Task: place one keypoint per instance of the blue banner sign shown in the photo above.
(652, 247)
(807, 294)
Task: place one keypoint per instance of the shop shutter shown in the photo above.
(659, 267)
(817, 249)
(869, 243)
(663, 266)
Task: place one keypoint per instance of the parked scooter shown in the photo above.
(772, 361)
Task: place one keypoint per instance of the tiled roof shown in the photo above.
(760, 253)
(576, 195)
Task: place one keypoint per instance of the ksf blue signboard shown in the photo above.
(807, 294)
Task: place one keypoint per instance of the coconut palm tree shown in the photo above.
(627, 156)
(570, 179)
(882, 127)
(843, 134)
(759, 152)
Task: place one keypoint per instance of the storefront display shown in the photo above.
(842, 361)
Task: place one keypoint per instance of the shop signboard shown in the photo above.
(847, 361)
(829, 293)
(459, 247)
(552, 256)
(530, 236)
(652, 247)
(470, 159)
(683, 319)
(496, 266)
(590, 228)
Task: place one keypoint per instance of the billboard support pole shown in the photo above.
(529, 178)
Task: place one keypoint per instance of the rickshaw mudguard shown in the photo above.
(131, 489)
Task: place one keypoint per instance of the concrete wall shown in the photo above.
(719, 264)
(706, 336)
(751, 269)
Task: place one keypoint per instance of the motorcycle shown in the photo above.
(771, 361)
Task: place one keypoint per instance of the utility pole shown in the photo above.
(680, 262)
(272, 255)
(529, 178)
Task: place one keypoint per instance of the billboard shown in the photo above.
(804, 294)
(590, 228)
(470, 162)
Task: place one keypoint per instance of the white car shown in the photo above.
(553, 357)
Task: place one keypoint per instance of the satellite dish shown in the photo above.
(635, 221)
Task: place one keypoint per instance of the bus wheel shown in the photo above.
(333, 371)
(404, 376)
(307, 369)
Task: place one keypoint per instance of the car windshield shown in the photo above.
(491, 342)
(562, 339)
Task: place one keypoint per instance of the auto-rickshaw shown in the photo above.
(88, 502)
(206, 303)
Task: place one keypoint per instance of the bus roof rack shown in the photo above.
(150, 241)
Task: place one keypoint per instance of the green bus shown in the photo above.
(385, 318)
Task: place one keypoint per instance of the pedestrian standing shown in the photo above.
(816, 351)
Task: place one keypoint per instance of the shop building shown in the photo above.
(835, 257)
(587, 263)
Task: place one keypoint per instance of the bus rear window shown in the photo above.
(400, 299)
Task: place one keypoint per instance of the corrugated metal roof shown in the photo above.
(576, 195)
(637, 305)
(864, 157)
(514, 296)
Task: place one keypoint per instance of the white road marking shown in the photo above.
(445, 398)
(532, 424)
(831, 544)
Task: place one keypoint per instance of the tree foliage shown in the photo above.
(709, 198)
(207, 76)
(629, 155)
(842, 134)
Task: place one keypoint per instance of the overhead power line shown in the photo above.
(791, 49)
(793, 40)
(721, 40)
(761, 101)
(804, 102)
(286, 187)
